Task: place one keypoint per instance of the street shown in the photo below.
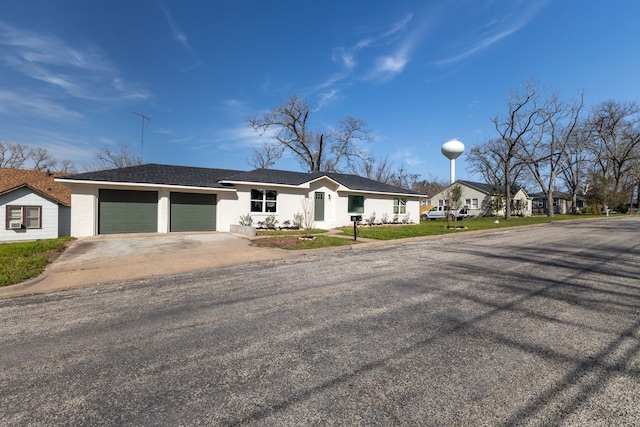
(527, 326)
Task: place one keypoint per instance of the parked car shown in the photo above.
(444, 211)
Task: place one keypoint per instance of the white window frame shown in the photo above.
(399, 206)
(267, 205)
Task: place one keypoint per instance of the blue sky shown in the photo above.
(417, 72)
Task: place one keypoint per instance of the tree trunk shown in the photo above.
(550, 209)
(507, 191)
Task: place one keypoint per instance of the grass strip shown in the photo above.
(439, 226)
(24, 260)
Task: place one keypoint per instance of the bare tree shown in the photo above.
(308, 212)
(384, 170)
(42, 160)
(22, 156)
(317, 151)
(575, 171)
(124, 156)
(13, 155)
(66, 166)
(454, 197)
(429, 187)
(499, 159)
(615, 145)
(266, 156)
(546, 154)
(515, 129)
(377, 170)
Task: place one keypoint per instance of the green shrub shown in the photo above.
(622, 208)
(298, 219)
(246, 220)
(270, 222)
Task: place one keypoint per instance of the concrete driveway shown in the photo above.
(112, 258)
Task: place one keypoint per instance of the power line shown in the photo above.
(142, 117)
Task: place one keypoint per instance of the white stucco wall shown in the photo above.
(379, 205)
(25, 197)
(290, 202)
(231, 205)
(84, 210)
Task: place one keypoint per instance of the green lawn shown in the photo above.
(439, 226)
(24, 260)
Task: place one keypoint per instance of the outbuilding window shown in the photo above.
(264, 200)
(28, 216)
(356, 204)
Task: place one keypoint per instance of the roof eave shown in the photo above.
(381, 193)
(35, 190)
(141, 184)
(266, 184)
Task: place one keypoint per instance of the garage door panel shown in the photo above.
(127, 211)
(193, 212)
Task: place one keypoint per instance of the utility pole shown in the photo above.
(142, 117)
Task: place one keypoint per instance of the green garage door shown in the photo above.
(126, 211)
(193, 212)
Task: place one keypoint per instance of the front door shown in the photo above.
(318, 207)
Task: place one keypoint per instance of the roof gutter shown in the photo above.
(145, 185)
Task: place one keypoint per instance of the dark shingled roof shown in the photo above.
(272, 176)
(212, 178)
(159, 174)
(480, 186)
(486, 188)
(353, 182)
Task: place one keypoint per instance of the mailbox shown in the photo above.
(356, 218)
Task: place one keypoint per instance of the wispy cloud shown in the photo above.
(36, 105)
(387, 67)
(384, 66)
(79, 72)
(497, 29)
(177, 33)
(347, 56)
(31, 47)
(326, 97)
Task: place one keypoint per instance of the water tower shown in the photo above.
(452, 150)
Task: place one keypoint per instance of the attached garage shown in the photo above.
(193, 212)
(127, 211)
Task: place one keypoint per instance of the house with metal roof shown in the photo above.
(479, 198)
(33, 206)
(163, 198)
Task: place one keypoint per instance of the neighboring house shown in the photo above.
(478, 197)
(162, 198)
(33, 206)
(562, 203)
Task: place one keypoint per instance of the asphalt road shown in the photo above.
(536, 326)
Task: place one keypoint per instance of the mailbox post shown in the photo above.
(356, 219)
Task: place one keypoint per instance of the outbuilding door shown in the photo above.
(193, 212)
(127, 211)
